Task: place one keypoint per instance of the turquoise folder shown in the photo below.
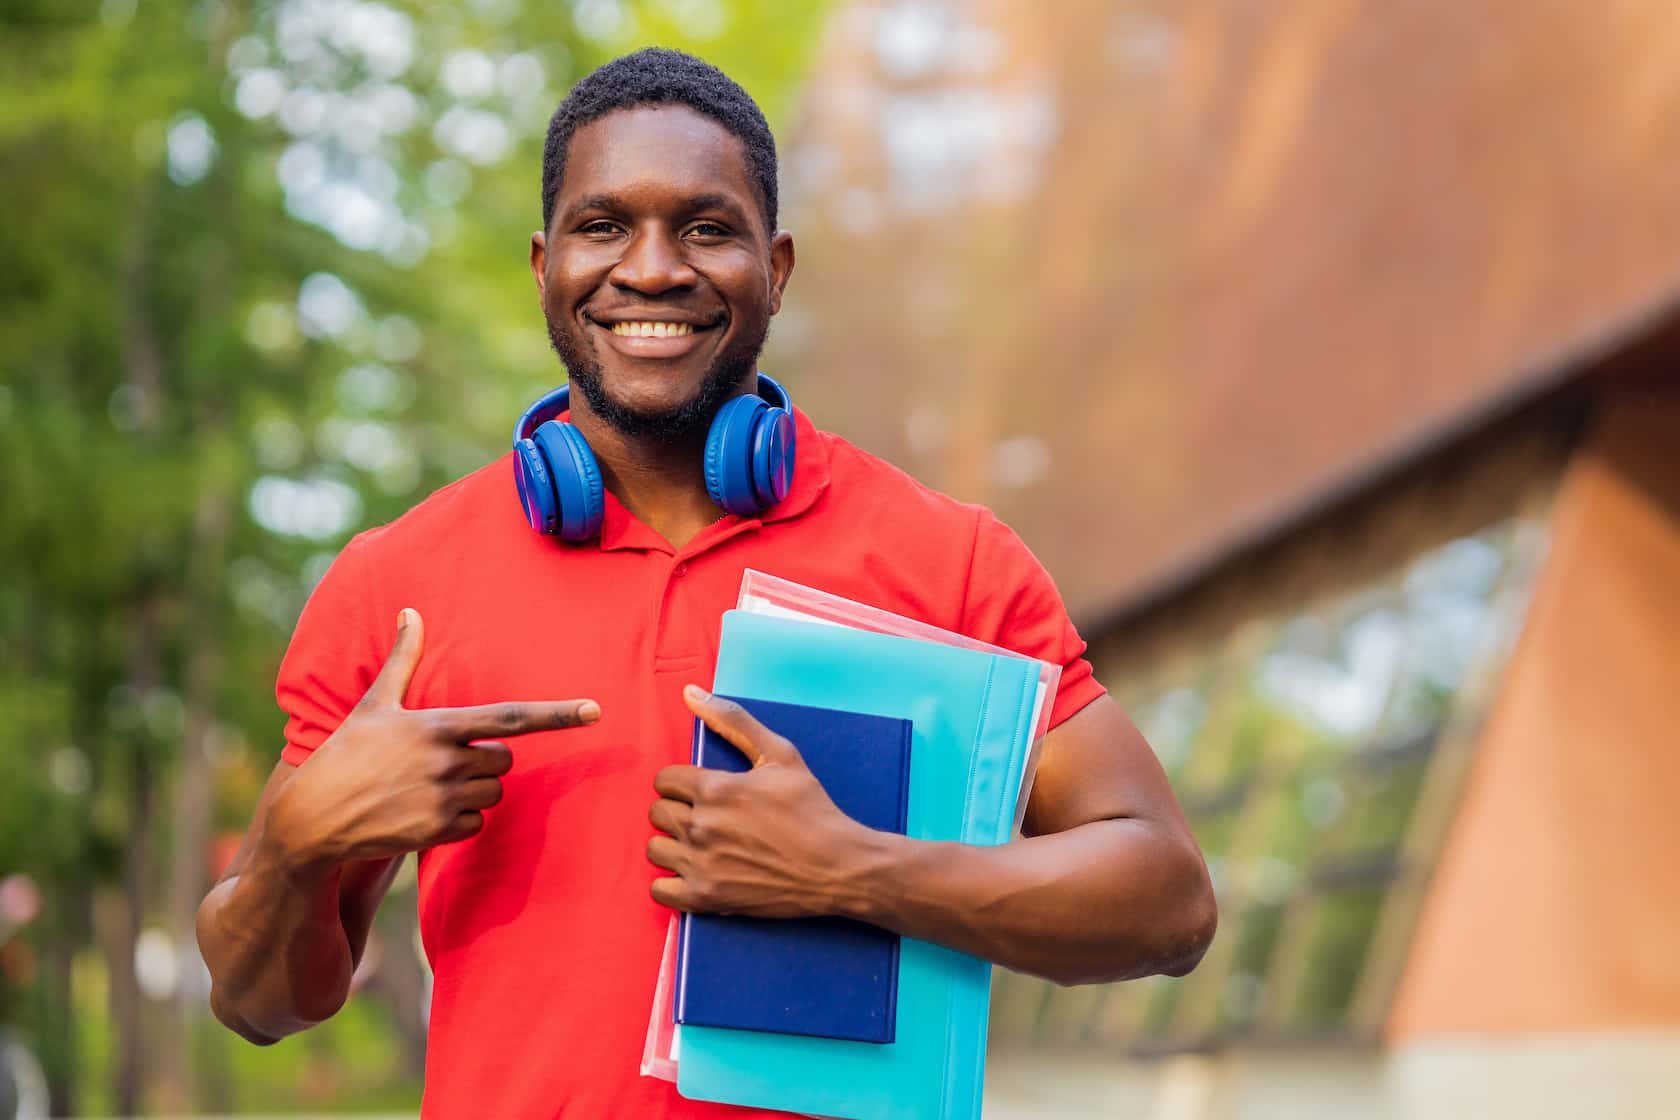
(972, 715)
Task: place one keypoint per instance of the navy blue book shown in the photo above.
(826, 977)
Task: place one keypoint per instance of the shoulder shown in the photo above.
(417, 560)
(953, 561)
(859, 478)
(414, 550)
(999, 592)
(887, 496)
(469, 508)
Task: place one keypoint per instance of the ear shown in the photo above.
(781, 267)
(539, 262)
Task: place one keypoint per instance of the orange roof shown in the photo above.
(1147, 278)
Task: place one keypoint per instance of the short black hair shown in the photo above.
(661, 76)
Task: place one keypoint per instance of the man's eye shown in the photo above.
(707, 230)
(598, 227)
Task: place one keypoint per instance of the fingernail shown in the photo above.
(589, 711)
(403, 617)
(697, 694)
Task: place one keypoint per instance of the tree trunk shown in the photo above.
(143, 364)
(58, 1037)
(124, 912)
(194, 794)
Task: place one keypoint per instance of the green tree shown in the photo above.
(264, 286)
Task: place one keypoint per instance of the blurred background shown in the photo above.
(1324, 352)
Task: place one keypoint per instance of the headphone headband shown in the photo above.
(556, 401)
(748, 462)
(546, 408)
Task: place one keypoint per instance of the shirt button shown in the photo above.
(681, 570)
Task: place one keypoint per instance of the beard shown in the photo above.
(693, 417)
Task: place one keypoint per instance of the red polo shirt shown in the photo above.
(542, 937)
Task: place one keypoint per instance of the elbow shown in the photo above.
(1169, 940)
(1197, 935)
(265, 1027)
(237, 1023)
(1195, 917)
(255, 1006)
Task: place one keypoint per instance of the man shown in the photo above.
(546, 868)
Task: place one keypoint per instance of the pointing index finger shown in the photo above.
(513, 717)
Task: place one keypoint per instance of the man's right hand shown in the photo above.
(392, 780)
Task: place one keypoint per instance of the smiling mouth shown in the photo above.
(652, 329)
(655, 339)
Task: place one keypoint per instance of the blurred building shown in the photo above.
(1325, 353)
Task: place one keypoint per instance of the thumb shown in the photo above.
(391, 685)
(738, 727)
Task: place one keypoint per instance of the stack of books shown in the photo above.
(910, 729)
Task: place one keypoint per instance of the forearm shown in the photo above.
(1109, 900)
(279, 957)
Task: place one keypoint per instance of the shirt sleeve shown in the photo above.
(337, 649)
(1012, 602)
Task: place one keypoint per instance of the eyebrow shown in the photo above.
(692, 205)
(716, 202)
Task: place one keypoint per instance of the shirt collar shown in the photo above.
(620, 529)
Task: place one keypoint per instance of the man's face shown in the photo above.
(657, 275)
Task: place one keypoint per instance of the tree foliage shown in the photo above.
(265, 285)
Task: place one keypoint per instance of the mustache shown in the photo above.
(687, 420)
(655, 312)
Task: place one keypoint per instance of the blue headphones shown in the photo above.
(749, 461)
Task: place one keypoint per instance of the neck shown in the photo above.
(661, 482)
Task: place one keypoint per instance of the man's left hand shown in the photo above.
(768, 843)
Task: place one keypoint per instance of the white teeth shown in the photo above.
(652, 330)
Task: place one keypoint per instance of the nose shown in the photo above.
(653, 264)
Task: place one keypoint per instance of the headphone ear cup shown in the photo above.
(729, 469)
(577, 480)
(772, 456)
(536, 487)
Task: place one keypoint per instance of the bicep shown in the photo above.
(1097, 766)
